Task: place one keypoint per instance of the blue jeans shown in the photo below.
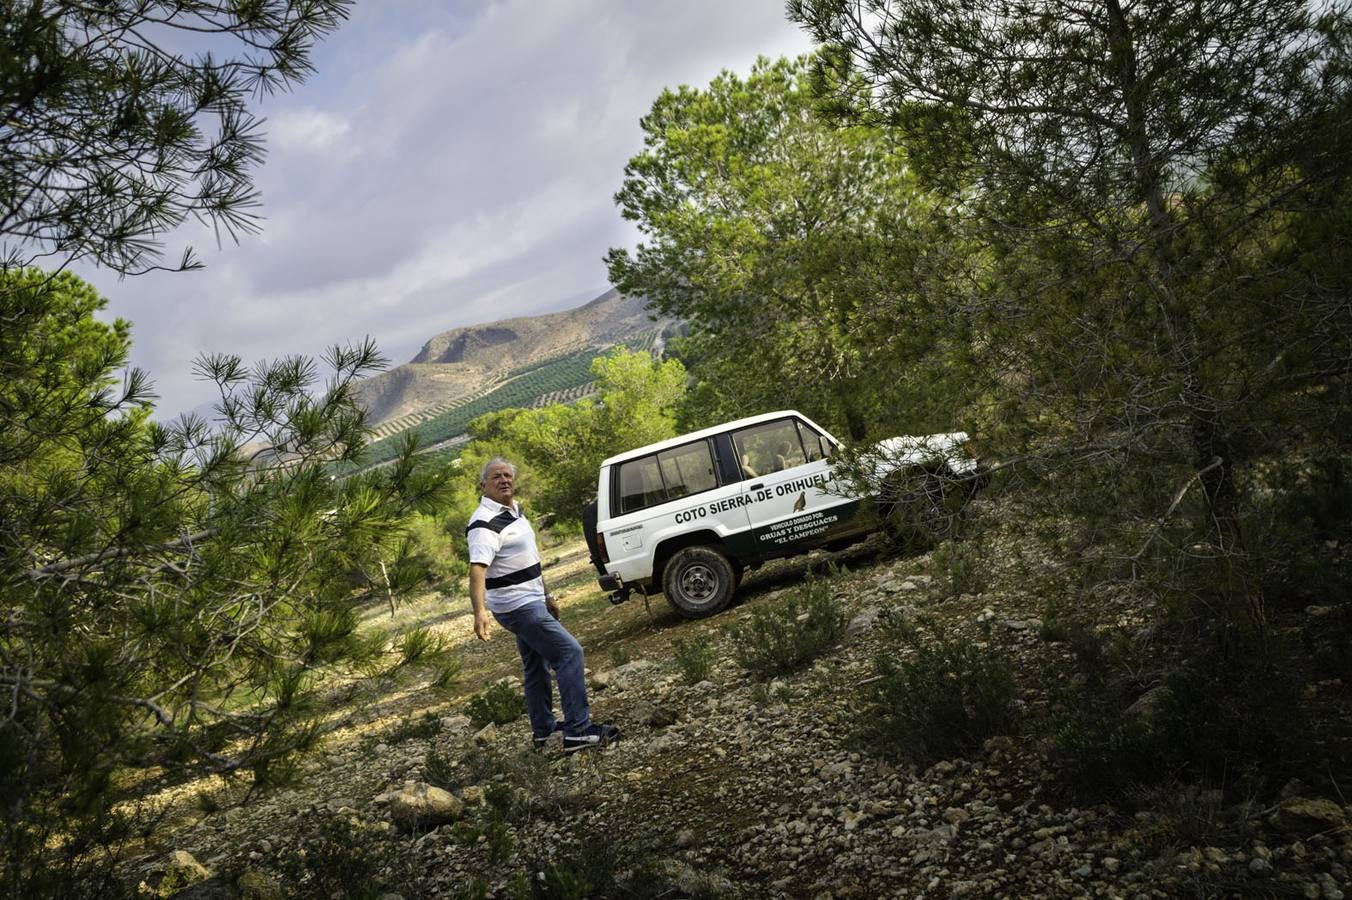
(545, 644)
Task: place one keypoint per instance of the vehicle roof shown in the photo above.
(707, 432)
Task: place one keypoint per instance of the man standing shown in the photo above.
(505, 579)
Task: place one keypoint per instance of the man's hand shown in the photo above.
(478, 573)
(551, 606)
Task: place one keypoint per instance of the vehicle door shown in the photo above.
(787, 479)
(657, 494)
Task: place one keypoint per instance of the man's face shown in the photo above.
(498, 484)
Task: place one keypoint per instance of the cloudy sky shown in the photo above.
(449, 164)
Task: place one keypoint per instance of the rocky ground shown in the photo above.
(731, 786)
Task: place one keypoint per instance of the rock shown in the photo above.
(253, 884)
(1259, 866)
(424, 806)
(454, 725)
(215, 888)
(685, 838)
(1147, 706)
(600, 681)
(473, 795)
(486, 734)
(177, 875)
(956, 816)
(660, 716)
(627, 676)
(183, 861)
(1305, 816)
(862, 623)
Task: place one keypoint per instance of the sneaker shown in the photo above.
(594, 735)
(554, 737)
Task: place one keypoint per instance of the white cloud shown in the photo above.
(449, 164)
(309, 131)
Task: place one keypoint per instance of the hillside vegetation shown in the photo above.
(555, 380)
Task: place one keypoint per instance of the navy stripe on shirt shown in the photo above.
(497, 523)
(530, 573)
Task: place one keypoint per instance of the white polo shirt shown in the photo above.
(500, 537)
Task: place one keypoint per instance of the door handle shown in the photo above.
(755, 487)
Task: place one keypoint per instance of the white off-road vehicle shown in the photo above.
(686, 516)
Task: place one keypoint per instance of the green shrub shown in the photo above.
(448, 669)
(1223, 710)
(439, 769)
(694, 657)
(499, 703)
(431, 547)
(619, 655)
(336, 859)
(935, 696)
(419, 643)
(788, 635)
(426, 726)
(576, 872)
(959, 564)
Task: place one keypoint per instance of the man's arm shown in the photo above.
(550, 605)
(478, 575)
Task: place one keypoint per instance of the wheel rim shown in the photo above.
(698, 582)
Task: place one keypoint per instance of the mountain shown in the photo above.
(463, 363)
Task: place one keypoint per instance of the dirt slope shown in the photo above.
(732, 787)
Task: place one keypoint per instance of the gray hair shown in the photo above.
(495, 461)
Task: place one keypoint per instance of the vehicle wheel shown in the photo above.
(921, 509)
(698, 581)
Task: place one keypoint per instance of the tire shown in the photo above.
(923, 510)
(699, 581)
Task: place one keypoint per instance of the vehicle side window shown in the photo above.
(818, 447)
(640, 484)
(669, 475)
(772, 447)
(687, 470)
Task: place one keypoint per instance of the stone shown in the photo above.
(424, 806)
(453, 725)
(956, 816)
(486, 734)
(656, 715)
(663, 742)
(184, 868)
(253, 884)
(862, 623)
(175, 873)
(627, 676)
(1306, 816)
(1148, 706)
